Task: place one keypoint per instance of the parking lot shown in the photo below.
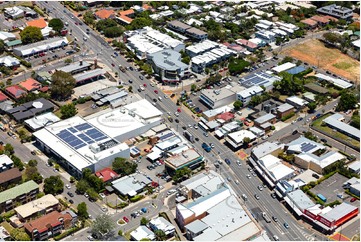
(331, 187)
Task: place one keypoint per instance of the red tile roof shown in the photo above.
(30, 84)
(15, 91)
(309, 22)
(3, 97)
(40, 23)
(226, 116)
(320, 19)
(106, 174)
(333, 19)
(124, 15)
(246, 43)
(104, 13)
(44, 89)
(42, 223)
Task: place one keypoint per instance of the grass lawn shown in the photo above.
(283, 97)
(332, 133)
(342, 65)
(7, 226)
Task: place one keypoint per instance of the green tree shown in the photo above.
(68, 61)
(139, 23)
(31, 173)
(348, 100)
(9, 149)
(355, 120)
(19, 235)
(312, 106)
(31, 34)
(237, 104)
(160, 235)
(246, 140)
(57, 167)
(321, 99)
(186, 59)
(124, 167)
(130, 89)
(82, 186)
(113, 32)
(103, 226)
(17, 162)
(182, 173)
(56, 24)
(103, 24)
(33, 163)
(89, 18)
(93, 195)
(144, 221)
(53, 185)
(193, 87)
(62, 85)
(68, 110)
(236, 66)
(82, 211)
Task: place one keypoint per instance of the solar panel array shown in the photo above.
(305, 147)
(81, 135)
(251, 80)
(166, 136)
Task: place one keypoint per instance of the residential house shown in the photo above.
(161, 223)
(284, 110)
(297, 102)
(9, 61)
(250, 46)
(310, 24)
(105, 14)
(15, 92)
(336, 11)
(30, 85)
(107, 174)
(125, 17)
(5, 163)
(11, 176)
(3, 97)
(39, 23)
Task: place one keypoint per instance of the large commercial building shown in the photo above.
(94, 142)
(235, 139)
(187, 30)
(168, 65)
(215, 98)
(335, 81)
(261, 79)
(246, 95)
(146, 41)
(187, 158)
(22, 193)
(41, 46)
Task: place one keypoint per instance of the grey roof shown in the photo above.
(114, 96)
(168, 60)
(284, 107)
(265, 118)
(348, 129)
(300, 199)
(335, 10)
(354, 166)
(196, 226)
(30, 109)
(88, 74)
(179, 24)
(196, 31)
(213, 124)
(74, 67)
(265, 149)
(339, 212)
(130, 185)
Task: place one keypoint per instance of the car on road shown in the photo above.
(273, 195)
(104, 209)
(33, 152)
(113, 65)
(89, 237)
(229, 179)
(285, 224)
(260, 188)
(68, 186)
(228, 161)
(130, 81)
(237, 182)
(141, 77)
(70, 194)
(196, 139)
(155, 91)
(248, 176)
(256, 196)
(275, 237)
(323, 140)
(176, 114)
(195, 126)
(253, 174)
(216, 165)
(176, 120)
(190, 126)
(205, 134)
(275, 219)
(71, 201)
(300, 119)
(239, 163)
(211, 145)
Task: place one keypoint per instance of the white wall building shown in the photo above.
(41, 46)
(215, 98)
(246, 95)
(235, 139)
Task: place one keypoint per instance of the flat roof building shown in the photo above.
(334, 122)
(259, 79)
(131, 185)
(274, 170)
(187, 30)
(5, 163)
(297, 102)
(9, 61)
(42, 205)
(161, 223)
(246, 95)
(142, 232)
(40, 121)
(215, 98)
(235, 139)
(336, 11)
(41, 46)
(188, 158)
(75, 67)
(283, 67)
(335, 81)
(168, 65)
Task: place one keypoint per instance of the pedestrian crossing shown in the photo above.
(309, 237)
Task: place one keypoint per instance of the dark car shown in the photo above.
(71, 201)
(286, 225)
(70, 194)
(315, 176)
(275, 219)
(323, 140)
(133, 215)
(139, 90)
(228, 161)
(141, 77)
(196, 138)
(131, 68)
(273, 195)
(176, 120)
(33, 152)
(130, 81)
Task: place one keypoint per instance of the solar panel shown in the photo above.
(307, 147)
(166, 136)
(90, 142)
(84, 126)
(80, 146)
(72, 130)
(84, 137)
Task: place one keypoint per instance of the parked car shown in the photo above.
(126, 219)
(71, 201)
(353, 199)
(68, 186)
(70, 194)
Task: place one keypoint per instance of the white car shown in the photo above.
(89, 237)
(195, 126)
(237, 182)
(176, 114)
(152, 84)
(239, 163)
(189, 126)
(102, 195)
(86, 195)
(68, 186)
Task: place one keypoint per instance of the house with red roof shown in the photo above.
(311, 24)
(15, 91)
(30, 85)
(50, 225)
(320, 20)
(227, 116)
(3, 97)
(39, 23)
(248, 44)
(125, 17)
(105, 13)
(107, 174)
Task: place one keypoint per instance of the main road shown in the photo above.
(248, 186)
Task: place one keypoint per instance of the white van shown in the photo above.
(160, 99)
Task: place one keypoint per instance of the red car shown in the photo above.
(76, 23)
(179, 110)
(126, 219)
(145, 85)
(155, 91)
(353, 199)
(113, 65)
(42, 54)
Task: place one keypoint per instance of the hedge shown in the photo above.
(347, 191)
(67, 233)
(9, 214)
(65, 204)
(136, 198)
(288, 116)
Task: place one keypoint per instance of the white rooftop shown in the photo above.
(42, 120)
(238, 136)
(142, 232)
(284, 67)
(323, 160)
(297, 100)
(36, 206)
